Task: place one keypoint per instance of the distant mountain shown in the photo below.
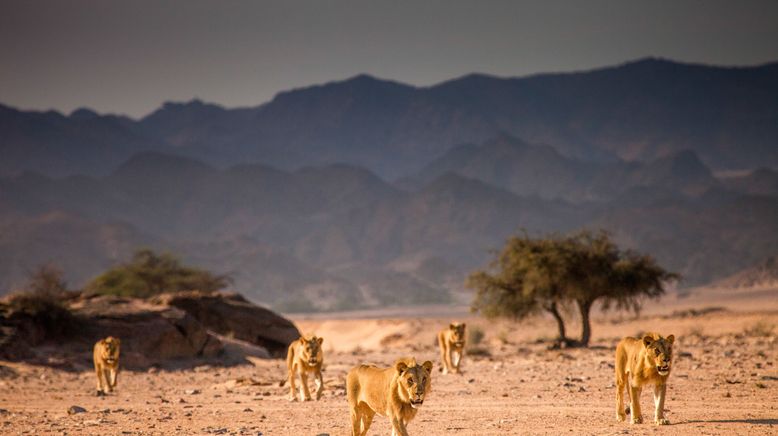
(292, 196)
(638, 111)
(58, 145)
(527, 169)
(762, 181)
(328, 232)
(338, 236)
(762, 274)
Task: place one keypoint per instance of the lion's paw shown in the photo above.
(637, 419)
(621, 417)
(662, 421)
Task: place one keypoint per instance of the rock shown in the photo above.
(150, 333)
(72, 410)
(192, 391)
(232, 315)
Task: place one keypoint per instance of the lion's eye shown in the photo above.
(657, 352)
(410, 381)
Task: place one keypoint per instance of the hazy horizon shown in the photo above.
(130, 58)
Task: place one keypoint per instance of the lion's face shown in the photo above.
(659, 352)
(111, 350)
(457, 333)
(414, 381)
(311, 350)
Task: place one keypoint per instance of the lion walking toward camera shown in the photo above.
(106, 359)
(396, 392)
(451, 341)
(303, 356)
(641, 362)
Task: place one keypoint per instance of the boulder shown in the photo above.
(150, 333)
(232, 315)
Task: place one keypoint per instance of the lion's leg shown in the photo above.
(367, 419)
(621, 386)
(443, 352)
(634, 404)
(356, 419)
(621, 415)
(107, 375)
(659, 404)
(449, 352)
(292, 382)
(99, 374)
(305, 393)
(114, 376)
(456, 358)
(398, 427)
(319, 384)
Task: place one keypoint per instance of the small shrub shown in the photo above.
(760, 329)
(46, 310)
(148, 274)
(479, 351)
(475, 335)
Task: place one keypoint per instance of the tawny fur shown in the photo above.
(638, 363)
(396, 392)
(304, 356)
(451, 341)
(106, 358)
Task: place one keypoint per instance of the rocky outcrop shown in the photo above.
(164, 330)
(150, 333)
(232, 315)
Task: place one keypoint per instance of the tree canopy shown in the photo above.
(544, 274)
(149, 273)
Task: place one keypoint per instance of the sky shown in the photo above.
(129, 57)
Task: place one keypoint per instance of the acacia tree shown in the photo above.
(524, 279)
(148, 274)
(575, 270)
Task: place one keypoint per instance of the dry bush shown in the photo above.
(475, 335)
(760, 329)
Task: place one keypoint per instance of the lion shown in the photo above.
(396, 392)
(641, 362)
(106, 358)
(303, 356)
(452, 346)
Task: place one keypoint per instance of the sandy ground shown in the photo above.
(724, 381)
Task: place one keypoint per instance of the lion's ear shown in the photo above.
(427, 366)
(401, 367)
(647, 340)
(319, 340)
(452, 326)
(464, 325)
(301, 340)
(671, 339)
(117, 340)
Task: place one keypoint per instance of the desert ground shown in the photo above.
(724, 380)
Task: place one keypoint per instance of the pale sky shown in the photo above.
(128, 57)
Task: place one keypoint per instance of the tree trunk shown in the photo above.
(552, 308)
(586, 328)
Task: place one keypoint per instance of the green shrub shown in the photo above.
(149, 274)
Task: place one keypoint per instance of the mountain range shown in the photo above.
(368, 192)
(640, 110)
